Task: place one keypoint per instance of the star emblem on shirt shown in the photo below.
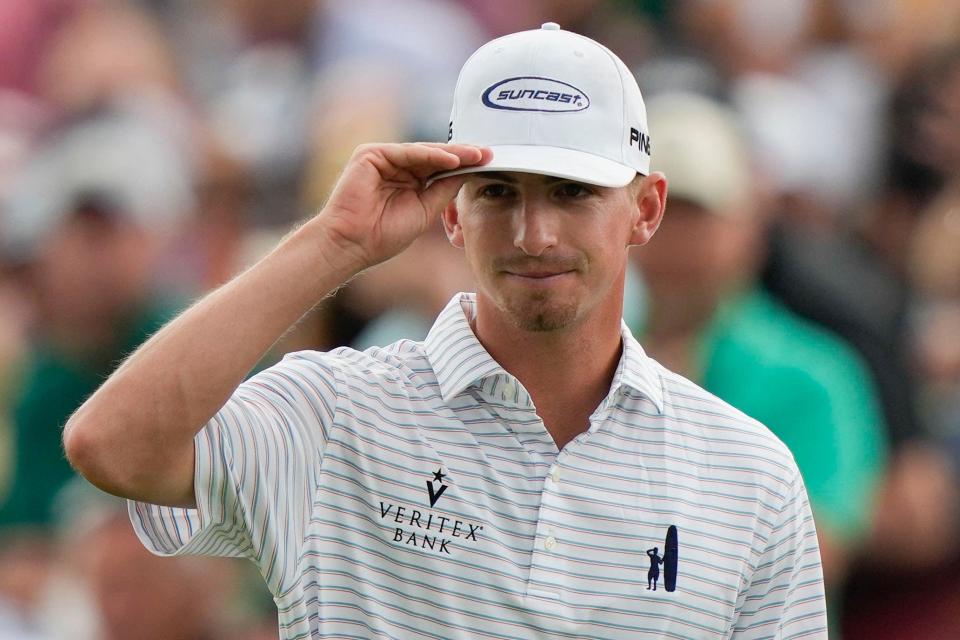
(436, 493)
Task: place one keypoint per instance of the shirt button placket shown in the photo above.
(546, 545)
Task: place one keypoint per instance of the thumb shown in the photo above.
(438, 195)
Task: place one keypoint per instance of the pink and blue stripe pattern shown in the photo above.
(319, 470)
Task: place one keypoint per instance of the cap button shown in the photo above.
(550, 26)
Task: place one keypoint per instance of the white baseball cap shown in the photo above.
(552, 102)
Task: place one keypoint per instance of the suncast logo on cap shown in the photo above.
(533, 93)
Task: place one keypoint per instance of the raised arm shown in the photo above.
(134, 436)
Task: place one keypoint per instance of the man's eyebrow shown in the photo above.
(495, 175)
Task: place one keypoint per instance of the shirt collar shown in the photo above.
(459, 360)
(457, 357)
(637, 370)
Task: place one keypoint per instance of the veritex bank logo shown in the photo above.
(534, 93)
(427, 529)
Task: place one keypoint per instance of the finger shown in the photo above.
(439, 194)
(469, 154)
(423, 160)
(415, 159)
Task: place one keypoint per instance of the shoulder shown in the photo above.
(402, 364)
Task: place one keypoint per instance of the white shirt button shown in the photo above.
(555, 474)
(549, 543)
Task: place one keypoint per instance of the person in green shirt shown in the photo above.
(709, 319)
(811, 389)
(87, 229)
(91, 281)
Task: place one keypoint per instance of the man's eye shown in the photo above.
(572, 190)
(494, 191)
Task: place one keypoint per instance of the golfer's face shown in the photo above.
(546, 251)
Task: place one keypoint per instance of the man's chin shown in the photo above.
(542, 317)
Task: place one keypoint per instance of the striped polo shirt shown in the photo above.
(413, 492)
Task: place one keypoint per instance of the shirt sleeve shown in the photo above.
(784, 597)
(257, 465)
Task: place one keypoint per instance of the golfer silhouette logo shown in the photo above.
(654, 573)
(669, 561)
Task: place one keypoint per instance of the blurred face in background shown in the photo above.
(145, 597)
(698, 258)
(103, 50)
(90, 272)
(271, 20)
(937, 130)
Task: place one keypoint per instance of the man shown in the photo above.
(711, 321)
(504, 477)
(653, 574)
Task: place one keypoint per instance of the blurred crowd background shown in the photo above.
(808, 269)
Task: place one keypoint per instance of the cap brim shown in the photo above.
(552, 161)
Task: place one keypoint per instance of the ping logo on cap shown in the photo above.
(642, 140)
(533, 93)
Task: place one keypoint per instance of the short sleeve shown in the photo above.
(257, 465)
(785, 597)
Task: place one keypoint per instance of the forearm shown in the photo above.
(134, 436)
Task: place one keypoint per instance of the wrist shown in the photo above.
(330, 257)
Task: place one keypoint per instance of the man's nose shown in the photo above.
(535, 228)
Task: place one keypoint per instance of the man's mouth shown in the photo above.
(538, 275)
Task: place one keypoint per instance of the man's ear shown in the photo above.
(451, 224)
(650, 203)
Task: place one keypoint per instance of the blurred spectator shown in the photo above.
(710, 320)
(26, 27)
(14, 314)
(26, 562)
(819, 154)
(910, 228)
(86, 222)
(932, 257)
(624, 25)
(250, 68)
(416, 47)
(140, 596)
(104, 53)
(215, 241)
(93, 580)
(812, 103)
